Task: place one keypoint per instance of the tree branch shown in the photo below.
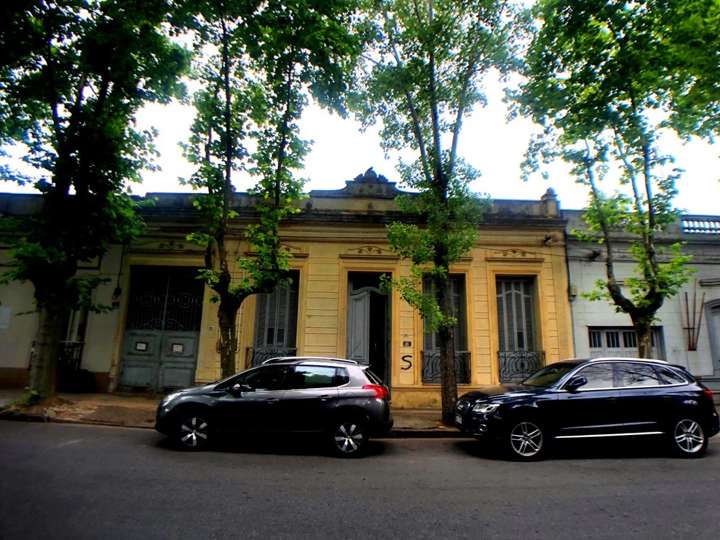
(612, 285)
(440, 179)
(473, 60)
(417, 130)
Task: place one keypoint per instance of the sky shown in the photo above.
(491, 143)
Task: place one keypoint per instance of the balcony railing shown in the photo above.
(70, 355)
(255, 357)
(431, 367)
(700, 224)
(517, 365)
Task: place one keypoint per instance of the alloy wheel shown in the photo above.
(349, 437)
(193, 432)
(526, 439)
(689, 436)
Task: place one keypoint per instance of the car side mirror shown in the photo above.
(576, 382)
(237, 389)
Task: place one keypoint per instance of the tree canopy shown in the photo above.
(422, 76)
(602, 79)
(267, 58)
(72, 76)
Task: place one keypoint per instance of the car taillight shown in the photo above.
(708, 393)
(380, 391)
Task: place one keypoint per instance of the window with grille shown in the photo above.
(629, 339)
(431, 349)
(457, 302)
(622, 342)
(596, 338)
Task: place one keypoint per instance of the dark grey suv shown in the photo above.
(338, 398)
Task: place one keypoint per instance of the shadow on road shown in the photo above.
(288, 445)
(610, 449)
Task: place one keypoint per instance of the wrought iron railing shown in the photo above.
(517, 365)
(70, 355)
(431, 367)
(255, 357)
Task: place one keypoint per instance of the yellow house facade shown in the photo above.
(510, 294)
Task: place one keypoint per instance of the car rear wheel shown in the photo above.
(526, 441)
(687, 438)
(192, 430)
(348, 438)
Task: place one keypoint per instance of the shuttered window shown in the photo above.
(516, 314)
(276, 316)
(457, 303)
(431, 349)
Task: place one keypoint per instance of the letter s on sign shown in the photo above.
(407, 358)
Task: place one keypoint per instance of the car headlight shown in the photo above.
(170, 397)
(485, 408)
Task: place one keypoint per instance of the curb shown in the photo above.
(424, 434)
(22, 417)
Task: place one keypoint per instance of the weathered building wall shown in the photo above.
(587, 264)
(338, 233)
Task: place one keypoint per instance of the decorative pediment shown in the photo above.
(368, 252)
(366, 185)
(371, 184)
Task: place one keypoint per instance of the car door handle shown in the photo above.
(325, 397)
(273, 400)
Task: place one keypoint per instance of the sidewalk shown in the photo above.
(138, 411)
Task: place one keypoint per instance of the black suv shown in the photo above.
(593, 399)
(338, 398)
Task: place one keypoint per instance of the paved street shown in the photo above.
(72, 481)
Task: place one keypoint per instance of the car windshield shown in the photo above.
(549, 375)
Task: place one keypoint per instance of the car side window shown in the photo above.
(312, 377)
(598, 376)
(630, 374)
(265, 378)
(668, 376)
(341, 376)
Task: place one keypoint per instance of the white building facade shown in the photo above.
(687, 329)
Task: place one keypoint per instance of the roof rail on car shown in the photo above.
(626, 358)
(302, 359)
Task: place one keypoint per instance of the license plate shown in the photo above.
(458, 419)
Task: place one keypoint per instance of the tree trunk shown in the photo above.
(448, 379)
(52, 324)
(643, 331)
(227, 317)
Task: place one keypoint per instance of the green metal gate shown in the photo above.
(162, 327)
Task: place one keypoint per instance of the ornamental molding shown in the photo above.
(369, 252)
(512, 255)
(295, 251)
(367, 185)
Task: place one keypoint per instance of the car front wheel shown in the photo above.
(192, 430)
(348, 438)
(526, 441)
(687, 438)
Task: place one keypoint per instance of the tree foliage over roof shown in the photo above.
(73, 75)
(603, 79)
